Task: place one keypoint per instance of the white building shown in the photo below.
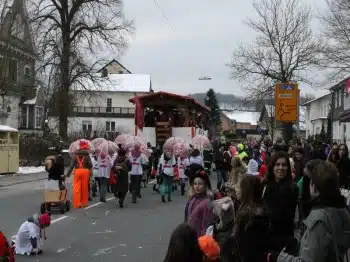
(316, 114)
(104, 106)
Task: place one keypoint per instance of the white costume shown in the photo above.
(136, 164)
(26, 231)
(181, 165)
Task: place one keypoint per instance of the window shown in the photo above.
(24, 116)
(12, 70)
(87, 127)
(110, 126)
(39, 114)
(27, 71)
(109, 105)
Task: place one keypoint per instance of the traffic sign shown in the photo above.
(286, 102)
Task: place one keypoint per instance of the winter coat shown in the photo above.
(299, 169)
(222, 160)
(224, 213)
(57, 169)
(281, 200)
(122, 184)
(251, 244)
(344, 168)
(327, 234)
(200, 213)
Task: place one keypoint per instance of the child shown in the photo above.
(182, 163)
(95, 174)
(29, 236)
(210, 249)
(104, 168)
(166, 166)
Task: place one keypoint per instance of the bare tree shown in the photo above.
(283, 50)
(73, 36)
(336, 34)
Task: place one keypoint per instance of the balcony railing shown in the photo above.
(105, 111)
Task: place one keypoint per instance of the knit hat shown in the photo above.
(209, 247)
(203, 175)
(252, 167)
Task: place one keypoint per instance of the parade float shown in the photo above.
(162, 115)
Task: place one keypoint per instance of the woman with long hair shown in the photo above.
(280, 194)
(251, 229)
(184, 246)
(238, 170)
(326, 237)
(333, 156)
(344, 166)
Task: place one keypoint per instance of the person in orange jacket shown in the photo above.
(81, 163)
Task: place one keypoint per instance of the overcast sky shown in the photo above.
(198, 42)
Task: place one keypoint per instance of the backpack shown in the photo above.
(6, 251)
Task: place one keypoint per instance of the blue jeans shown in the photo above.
(222, 176)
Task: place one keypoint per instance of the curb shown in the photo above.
(22, 182)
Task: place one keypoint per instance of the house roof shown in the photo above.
(33, 99)
(244, 117)
(318, 98)
(7, 129)
(114, 61)
(132, 83)
(157, 96)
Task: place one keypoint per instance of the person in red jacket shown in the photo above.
(263, 169)
(6, 251)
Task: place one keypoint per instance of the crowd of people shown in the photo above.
(277, 202)
(272, 202)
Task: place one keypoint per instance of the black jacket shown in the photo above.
(281, 200)
(249, 245)
(57, 170)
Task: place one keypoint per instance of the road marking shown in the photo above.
(98, 203)
(86, 208)
(58, 219)
(53, 221)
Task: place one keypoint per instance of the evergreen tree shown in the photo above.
(214, 116)
(329, 127)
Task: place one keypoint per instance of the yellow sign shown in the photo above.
(286, 102)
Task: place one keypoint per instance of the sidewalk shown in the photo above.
(9, 180)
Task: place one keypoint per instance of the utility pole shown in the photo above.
(298, 120)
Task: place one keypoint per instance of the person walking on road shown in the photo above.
(81, 164)
(121, 167)
(166, 166)
(104, 169)
(137, 161)
(222, 160)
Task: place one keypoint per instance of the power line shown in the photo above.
(164, 16)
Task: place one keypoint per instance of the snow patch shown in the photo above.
(31, 169)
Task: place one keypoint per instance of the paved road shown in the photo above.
(102, 231)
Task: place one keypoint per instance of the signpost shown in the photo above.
(287, 102)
